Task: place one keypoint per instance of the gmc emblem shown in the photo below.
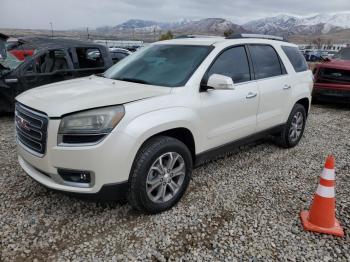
(22, 123)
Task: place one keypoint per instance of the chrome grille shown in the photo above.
(333, 76)
(31, 129)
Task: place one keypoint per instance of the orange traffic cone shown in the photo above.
(321, 217)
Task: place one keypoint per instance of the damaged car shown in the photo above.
(52, 60)
(332, 78)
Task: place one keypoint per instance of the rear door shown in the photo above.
(274, 85)
(229, 115)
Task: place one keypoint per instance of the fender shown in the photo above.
(294, 101)
(149, 124)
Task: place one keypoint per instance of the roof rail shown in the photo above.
(196, 36)
(270, 37)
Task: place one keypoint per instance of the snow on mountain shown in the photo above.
(188, 26)
(289, 24)
(139, 25)
(215, 26)
(283, 24)
(338, 19)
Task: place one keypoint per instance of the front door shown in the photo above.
(46, 68)
(228, 115)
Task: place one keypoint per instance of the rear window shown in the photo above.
(296, 58)
(266, 61)
(89, 58)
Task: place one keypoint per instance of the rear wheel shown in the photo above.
(294, 128)
(160, 174)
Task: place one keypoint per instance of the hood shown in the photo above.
(338, 64)
(84, 93)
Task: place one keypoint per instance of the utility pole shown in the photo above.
(154, 33)
(51, 29)
(87, 31)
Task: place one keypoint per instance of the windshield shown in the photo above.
(10, 62)
(343, 54)
(163, 65)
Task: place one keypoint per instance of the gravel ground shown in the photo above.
(244, 206)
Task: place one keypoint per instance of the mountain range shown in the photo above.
(283, 24)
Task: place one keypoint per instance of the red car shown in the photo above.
(332, 78)
(21, 54)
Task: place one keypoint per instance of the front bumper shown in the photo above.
(109, 162)
(330, 92)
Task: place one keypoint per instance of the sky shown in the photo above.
(74, 14)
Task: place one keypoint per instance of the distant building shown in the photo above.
(331, 47)
(119, 43)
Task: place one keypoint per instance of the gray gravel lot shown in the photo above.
(244, 206)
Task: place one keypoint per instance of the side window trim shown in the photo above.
(250, 61)
(284, 71)
(205, 75)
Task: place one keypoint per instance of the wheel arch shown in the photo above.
(182, 134)
(305, 102)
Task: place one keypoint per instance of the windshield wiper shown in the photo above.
(134, 80)
(100, 75)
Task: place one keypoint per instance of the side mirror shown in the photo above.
(220, 82)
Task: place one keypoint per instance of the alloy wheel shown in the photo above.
(165, 177)
(296, 127)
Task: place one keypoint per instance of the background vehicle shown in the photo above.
(332, 78)
(51, 60)
(118, 54)
(314, 55)
(3, 53)
(137, 130)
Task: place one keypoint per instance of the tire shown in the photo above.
(147, 171)
(286, 139)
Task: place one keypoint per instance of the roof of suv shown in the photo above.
(206, 41)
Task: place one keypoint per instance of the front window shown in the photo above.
(163, 65)
(232, 63)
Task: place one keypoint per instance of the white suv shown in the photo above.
(138, 130)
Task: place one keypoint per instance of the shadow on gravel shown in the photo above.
(332, 105)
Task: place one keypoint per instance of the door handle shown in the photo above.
(286, 87)
(251, 95)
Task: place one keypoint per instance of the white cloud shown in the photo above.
(66, 14)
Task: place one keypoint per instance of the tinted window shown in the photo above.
(296, 58)
(232, 63)
(89, 58)
(163, 65)
(266, 61)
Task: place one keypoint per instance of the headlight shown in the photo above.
(89, 126)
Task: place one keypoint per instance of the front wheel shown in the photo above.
(294, 128)
(160, 175)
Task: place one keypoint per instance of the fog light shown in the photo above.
(75, 176)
